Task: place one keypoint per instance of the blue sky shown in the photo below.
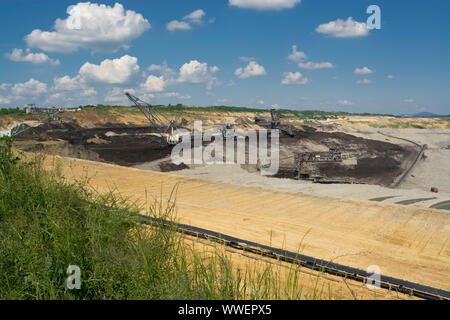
(228, 52)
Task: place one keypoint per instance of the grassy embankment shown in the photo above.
(47, 224)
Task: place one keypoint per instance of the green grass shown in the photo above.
(47, 224)
(12, 112)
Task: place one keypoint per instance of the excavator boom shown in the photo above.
(157, 120)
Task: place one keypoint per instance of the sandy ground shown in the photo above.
(313, 285)
(406, 242)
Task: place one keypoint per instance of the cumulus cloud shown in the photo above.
(30, 88)
(89, 92)
(4, 100)
(5, 86)
(76, 85)
(409, 100)
(344, 28)
(390, 77)
(265, 4)
(175, 95)
(115, 71)
(178, 25)
(67, 83)
(251, 70)
(117, 95)
(315, 65)
(91, 26)
(345, 102)
(247, 59)
(364, 81)
(294, 78)
(154, 84)
(18, 55)
(362, 71)
(195, 17)
(299, 57)
(198, 72)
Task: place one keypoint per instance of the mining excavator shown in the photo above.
(164, 126)
(275, 122)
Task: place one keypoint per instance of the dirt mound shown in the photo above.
(373, 161)
(113, 143)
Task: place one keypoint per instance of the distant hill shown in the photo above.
(426, 114)
(422, 115)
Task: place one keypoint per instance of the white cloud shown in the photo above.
(117, 95)
(5, 86)
(4, 100)
(214, 69)
(297, 56)
(56, 97)
(89, 92)
(114, 71)
(175, 95)
(345, 102)
(154, 67)
(409, 100)
(197, 72)
(294, 78)
(344, 28)
(168, 73)
(91, 26)
(265, 4)
(315, 65)
(261, 102)
(390, 77)
(67, 83)
(195, 17)
(34, 58)
(178, 25)
(362, 71)
(364, 81)
(247, 59)
(251, 70)
(30, 88)
(154, 84)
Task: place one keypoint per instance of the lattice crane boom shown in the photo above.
(157, 120)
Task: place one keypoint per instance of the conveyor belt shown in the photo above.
(389, 283)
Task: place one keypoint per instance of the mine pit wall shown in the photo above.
(368, 161)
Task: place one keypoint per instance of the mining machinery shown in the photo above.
(275, 123)
(301, 158)
(165, 127)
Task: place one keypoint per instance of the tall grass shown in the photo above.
(47, 224)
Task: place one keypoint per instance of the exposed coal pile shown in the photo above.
(371, 161)
(118, 144)
(375, 162)
(130, 149)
